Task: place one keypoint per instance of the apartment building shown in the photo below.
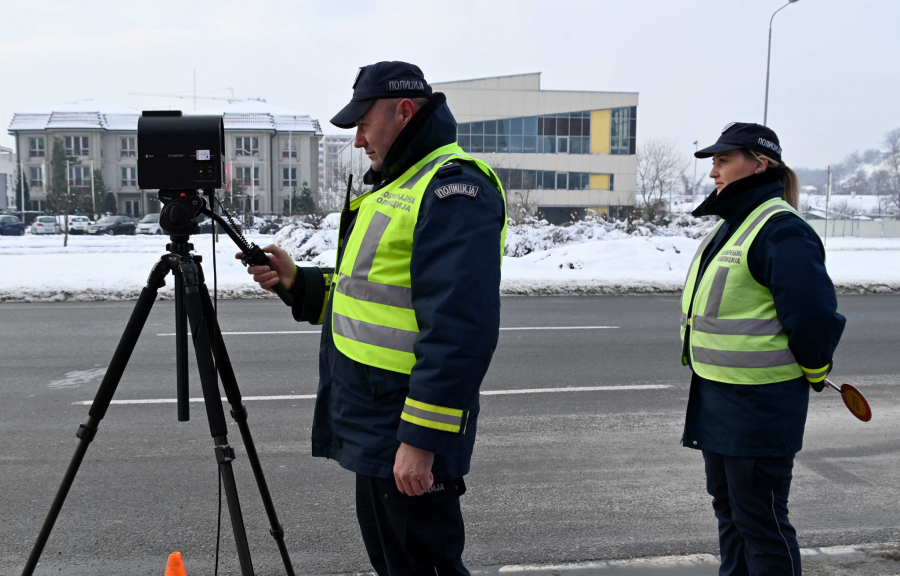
(269, 148)
(329, 158)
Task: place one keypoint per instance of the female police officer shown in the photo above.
(759, 326)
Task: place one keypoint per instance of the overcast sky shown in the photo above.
(697, 64)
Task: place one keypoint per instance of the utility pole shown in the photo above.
(22, 188)
(93, 197)
(694, 183)
(827, 199)
(66, 211)
(290, 173)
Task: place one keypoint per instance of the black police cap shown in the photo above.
(738, 135)
(381, 80)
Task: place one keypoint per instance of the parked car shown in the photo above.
(45, 225)
(11, 226)
(150, 225)
(206, 226)
(113, 225)
(77, 224)
(272, 226)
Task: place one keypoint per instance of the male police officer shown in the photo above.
(410, 318)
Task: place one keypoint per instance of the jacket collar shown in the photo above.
(430, 128)
(737, 200)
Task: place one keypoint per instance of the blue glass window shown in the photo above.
(515, 126)
(515, 144)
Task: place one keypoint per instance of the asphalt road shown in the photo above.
(561, 476)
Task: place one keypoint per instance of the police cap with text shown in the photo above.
(738, 135)
(381, 80)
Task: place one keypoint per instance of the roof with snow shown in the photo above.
(241, 115)
(78, 114)
(256, 115)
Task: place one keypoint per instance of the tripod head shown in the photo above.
(178, 217)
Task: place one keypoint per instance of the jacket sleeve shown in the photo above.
(311, 290)
(455, 277)
(788, 258)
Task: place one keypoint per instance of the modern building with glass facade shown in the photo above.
(566, 151)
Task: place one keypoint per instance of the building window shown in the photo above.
(37, 176)
(129, 176)
(514, 179)
(77, 146)
(246, 146)
(566, 133)
(243, 175)
(36, 147)
(289, 180)
(288, 147)
(622, 130)
(129, 150)
(79, 176)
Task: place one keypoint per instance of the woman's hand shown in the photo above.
(280, 269)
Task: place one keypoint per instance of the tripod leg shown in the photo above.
(181, 347)
(214, 412)
(88, 430)
(239, 413)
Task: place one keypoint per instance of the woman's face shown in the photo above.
(732, 165)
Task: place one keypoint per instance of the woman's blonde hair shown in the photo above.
(789, 178)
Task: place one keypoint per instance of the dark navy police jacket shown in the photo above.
(788, 258)
(455, 276)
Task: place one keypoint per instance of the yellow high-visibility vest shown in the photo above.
(373, 321)
(735, 334)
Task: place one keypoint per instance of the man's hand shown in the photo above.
(412, 470)
(280, 269)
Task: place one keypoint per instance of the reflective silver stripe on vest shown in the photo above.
(743, 359)
(433, 416)
(683, 319)
(358, 286)
(390, 338)
(409, 184)
(716, 292)
(359, 289)
(710, 323)
(737, 327)
(366, 255)
(703, 245)
(752, 227)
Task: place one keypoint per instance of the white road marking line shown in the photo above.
(502, 329)
(485, 393)
(577, 389)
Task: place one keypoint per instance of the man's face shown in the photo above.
(379, 127)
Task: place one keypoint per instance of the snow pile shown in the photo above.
(39, 269)
(538, 235)
(305, 243)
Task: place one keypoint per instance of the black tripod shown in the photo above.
(192, 303)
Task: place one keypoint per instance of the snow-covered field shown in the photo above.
(39, 269)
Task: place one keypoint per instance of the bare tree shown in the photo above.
(659, 169)
(890, 173)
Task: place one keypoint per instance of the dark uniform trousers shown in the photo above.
(411, 535)
(750, 499)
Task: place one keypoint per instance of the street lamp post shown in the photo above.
(769, 60)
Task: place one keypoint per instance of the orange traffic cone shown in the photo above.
(175, 566)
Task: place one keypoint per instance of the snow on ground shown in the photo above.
(40, 269)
